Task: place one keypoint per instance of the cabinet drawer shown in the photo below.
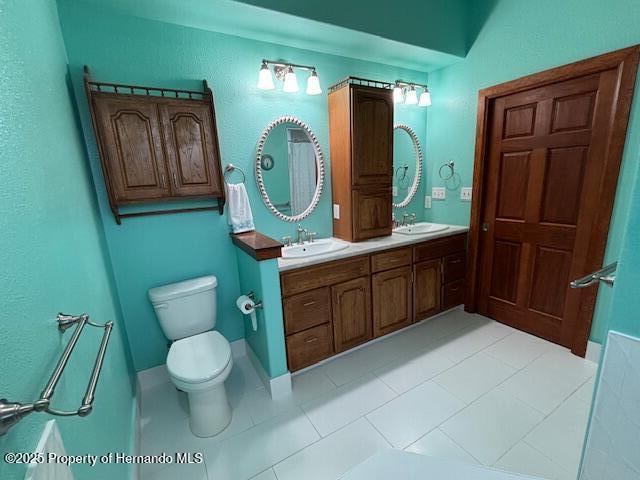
(310, 346)
(388, 260)
(439, 248)
(323, 275)
(452, 294)
(453, 267)
(306, 310)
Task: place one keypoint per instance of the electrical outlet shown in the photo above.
(465, 194)
(438, 193)
(336, 211)
(427, 201)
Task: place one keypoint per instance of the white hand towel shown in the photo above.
(239, 210)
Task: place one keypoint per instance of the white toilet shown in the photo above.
(199, 359)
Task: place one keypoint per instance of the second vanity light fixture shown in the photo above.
(405, 92)
(286, 73)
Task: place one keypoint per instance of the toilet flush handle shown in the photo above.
(162, 306)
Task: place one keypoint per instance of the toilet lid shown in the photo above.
(198, 358)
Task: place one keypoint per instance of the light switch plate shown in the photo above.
(395, 191)
(427, 201)
(336, 211)
(465, 194)
(438, 193)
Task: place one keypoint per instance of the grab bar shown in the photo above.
(12, 412)
(605, 275)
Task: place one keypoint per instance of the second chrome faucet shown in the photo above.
(302, 235)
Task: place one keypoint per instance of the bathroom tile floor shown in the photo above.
(459, 386)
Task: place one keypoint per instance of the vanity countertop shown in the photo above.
(368, 246)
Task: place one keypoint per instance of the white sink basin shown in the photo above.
(420, 228)
(311, 249)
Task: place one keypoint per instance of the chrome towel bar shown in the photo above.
(12, 412)
(605, 274)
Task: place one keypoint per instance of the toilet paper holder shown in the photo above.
(252, 296)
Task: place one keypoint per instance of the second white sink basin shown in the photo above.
(420, 228)
(310, 249)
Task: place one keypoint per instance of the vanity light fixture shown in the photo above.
(411, 97)
(406, 92)
(285, 72)
(290, 84)
(398, 94)
(265, 79)
(313, 84)
(425, 98)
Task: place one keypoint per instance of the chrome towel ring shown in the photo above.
(230, 168)
(451, 170)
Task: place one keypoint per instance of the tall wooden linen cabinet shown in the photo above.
(361, 142)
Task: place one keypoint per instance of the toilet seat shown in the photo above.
(199, 358)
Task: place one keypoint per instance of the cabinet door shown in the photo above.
(371, 213)
(392, 294)
(191, 148)
(372, 135)
(351, 302)
(131, 141)
(426, 289)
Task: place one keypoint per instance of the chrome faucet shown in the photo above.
(405, 217)
(301, 234)
(311, 236)
(287, 240)
(412, 219)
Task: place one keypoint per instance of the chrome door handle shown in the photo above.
(605, 274)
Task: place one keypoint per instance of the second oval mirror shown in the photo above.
(289, 169)
(407, 165)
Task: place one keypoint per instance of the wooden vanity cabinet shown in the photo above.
(334, 306)
(426, 289)
(351, 304)
(361, 143)
(392, 300)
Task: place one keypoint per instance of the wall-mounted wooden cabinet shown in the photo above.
(361, 142)
(335, 306)
(155, 148)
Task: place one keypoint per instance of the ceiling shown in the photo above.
(422, 35)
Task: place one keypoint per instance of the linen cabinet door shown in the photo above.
(392, 299)
(131, 142)
(426, 289)
(372, 213)
(351, 302)
(372, 135)
(192, 149)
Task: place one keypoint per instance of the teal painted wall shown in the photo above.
(154, 250)
(267, 342)
(626, 303)
(52, 250)
(521, 37)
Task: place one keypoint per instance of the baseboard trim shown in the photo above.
(593, 351)
(277, 387)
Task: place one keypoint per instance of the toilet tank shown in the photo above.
(185, 308)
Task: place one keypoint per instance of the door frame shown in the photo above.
(626, 63)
